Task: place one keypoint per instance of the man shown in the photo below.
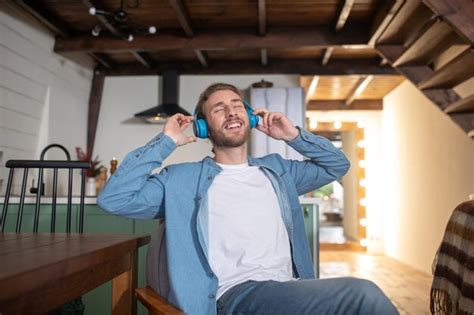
(235, 234)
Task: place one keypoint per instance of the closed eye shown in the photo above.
(218, 109)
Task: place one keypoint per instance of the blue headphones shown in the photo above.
(200, 125)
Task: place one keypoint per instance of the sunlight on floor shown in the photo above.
(408, 288)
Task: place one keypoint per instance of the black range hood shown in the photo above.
(169, 106)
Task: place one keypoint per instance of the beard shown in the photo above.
(220, 139)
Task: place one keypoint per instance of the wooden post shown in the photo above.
(95, 99)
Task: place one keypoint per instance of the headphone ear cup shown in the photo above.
(253, 119)
(200, 128)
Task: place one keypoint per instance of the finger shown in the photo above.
(267, 119)
(271, 117)
(184, 125)
(191, 139)
(262, 129)
(259, 111)
(276, 117)
(184, 119)
(178, 117)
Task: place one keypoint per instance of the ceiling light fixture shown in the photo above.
(120, 20)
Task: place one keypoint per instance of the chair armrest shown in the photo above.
(155, 304)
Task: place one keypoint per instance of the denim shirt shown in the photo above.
(179, 194)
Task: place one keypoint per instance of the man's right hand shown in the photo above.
(175, 126)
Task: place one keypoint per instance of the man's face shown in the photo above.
(227, 119)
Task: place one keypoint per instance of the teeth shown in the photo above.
(233, 125)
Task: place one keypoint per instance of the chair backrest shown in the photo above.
(41, 165)
(157, 263)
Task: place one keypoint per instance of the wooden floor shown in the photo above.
(406, 287)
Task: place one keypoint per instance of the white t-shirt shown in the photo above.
(247, 237)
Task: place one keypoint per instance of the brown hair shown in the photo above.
(211, 89)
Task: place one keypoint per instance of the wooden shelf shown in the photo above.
(454, 72)
(465, 105)
(427, 45)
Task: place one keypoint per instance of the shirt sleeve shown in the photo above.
(133, 191)
(325, 163)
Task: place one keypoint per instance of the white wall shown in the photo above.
(43, 97)
(117, 131)
(429, 170)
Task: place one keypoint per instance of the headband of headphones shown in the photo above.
(200, 125)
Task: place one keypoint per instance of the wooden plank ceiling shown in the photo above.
(354, 50)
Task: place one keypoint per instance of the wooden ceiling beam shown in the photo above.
(264, 56)
(262, 19)
(343, 14)
(289, 37)
(182, 14)
(41, 13)
(327, 55)
(385, 13)
(341, 105)
(312, 87)
(104, 21)
(103, 59)
(262, 30)
(202, 58)
(358, 88)
(458, 13)
(277, 66)
(144, 58)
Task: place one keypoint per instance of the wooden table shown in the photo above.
(42, 271)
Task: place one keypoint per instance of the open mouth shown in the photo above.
(233, 125)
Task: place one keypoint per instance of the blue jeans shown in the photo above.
(320, 296)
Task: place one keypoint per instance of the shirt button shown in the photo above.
(209, 178)
(210, 274)
(211, 296)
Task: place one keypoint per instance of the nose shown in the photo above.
(229, 110)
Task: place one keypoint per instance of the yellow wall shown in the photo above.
(429, 169)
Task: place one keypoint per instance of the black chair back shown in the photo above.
(41, 165)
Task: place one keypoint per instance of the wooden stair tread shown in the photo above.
(426, 44)
(465, 105)
(454, 72)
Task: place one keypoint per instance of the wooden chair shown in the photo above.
(155, 304)
(156, 277)
(41, 165)
(453, 266)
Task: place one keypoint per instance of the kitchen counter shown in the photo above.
(61, 200)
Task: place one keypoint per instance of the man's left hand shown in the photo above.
(276, 125)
